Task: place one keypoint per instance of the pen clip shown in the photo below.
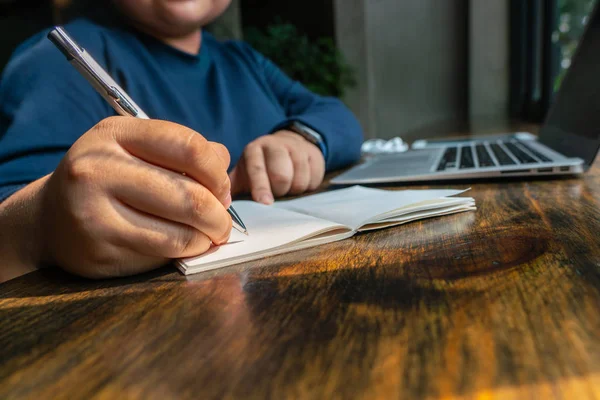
(122, 101)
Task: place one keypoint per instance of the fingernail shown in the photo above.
(228, 200)
(266, 199)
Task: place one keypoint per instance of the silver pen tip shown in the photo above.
(237, 221)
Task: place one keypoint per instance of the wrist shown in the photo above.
(310, 135)
(20, 233)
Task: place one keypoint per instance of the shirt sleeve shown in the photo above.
(45, 106)
(328, 116)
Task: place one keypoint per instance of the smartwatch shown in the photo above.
(309, 134)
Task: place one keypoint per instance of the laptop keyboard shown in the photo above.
(490, 155)
(484, 157)
(536, 153)
(448, 159)
(501, 156)
(523, 157)
(466, 158)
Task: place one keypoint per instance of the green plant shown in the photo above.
(316, 64)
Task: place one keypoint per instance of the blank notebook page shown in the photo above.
(268, 227)
(356, 205)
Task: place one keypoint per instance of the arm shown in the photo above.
(19, 232)
(45, 105)
(40, 118)
(110, 201)
(118, 203)
(326, 115)
(285, 163)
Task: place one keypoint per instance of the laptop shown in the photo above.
(568, 140)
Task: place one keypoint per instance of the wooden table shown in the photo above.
(503, 303)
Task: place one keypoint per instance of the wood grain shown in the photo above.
(503, 303)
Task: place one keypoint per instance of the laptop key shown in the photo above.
(484, 157)
(523, 157)
(448, 159)
(501, 156)
(536, 153)
(466, 157)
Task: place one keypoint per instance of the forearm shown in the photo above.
(20, 237)
(329, 116)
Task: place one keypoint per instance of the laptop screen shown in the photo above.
(572, 126)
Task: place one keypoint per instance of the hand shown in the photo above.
(119, 202)
(278, 164)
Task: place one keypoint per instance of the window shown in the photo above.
(544, 36)
(572, 17)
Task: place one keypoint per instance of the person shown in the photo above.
(102, 195)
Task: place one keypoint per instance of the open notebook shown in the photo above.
(322, 218)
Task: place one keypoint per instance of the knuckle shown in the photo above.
(253, 146)
(298, 187)
(183, 242)
(189, 242)
(267, 140)
(80, 170)
(223, 152)
(194, 152)
(314, 184)
(280, 177)
(299, 160)
(198, 202)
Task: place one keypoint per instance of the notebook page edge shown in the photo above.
(425, 205)
(299, 245)
(438, 213)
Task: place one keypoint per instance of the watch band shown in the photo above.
(309, 134)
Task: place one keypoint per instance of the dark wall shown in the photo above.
(20, 19)
(313, 17)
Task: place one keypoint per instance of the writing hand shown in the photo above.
(119, 202)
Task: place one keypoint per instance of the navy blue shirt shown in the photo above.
(228, 92)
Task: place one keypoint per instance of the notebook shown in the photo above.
(322, 218)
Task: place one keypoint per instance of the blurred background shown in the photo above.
(405, 67)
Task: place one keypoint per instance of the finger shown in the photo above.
(317, 170)
(301, 177)
(239, 179)
(173, 147)
(258, 180)
(152, 236)
(170, 196)
(279, 168)
(222, 152)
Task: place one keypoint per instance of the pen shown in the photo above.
(110, 90)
